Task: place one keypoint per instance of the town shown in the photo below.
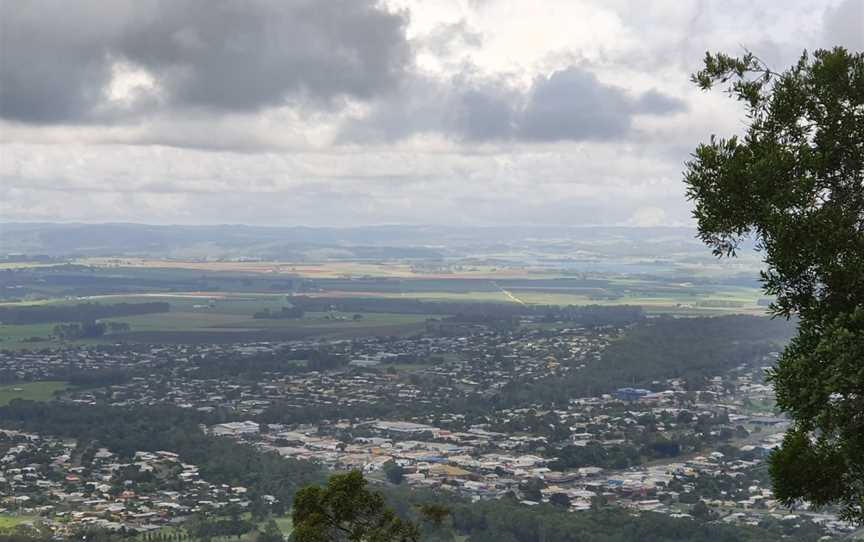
(427, 412)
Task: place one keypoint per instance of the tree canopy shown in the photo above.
(795, 183)
(346, 510)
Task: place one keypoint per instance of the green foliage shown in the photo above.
(692, 349)
(394, 472)
(505, 520)
(795, 182)
(271, 533)
(207, 528)
(434, 513)
(595, 454)
(345, 510)
(89, 329)
(127, 430)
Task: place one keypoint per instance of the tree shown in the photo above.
(271, 533)
(700, 511)
(795, 183)
(345, 510)
(531, 489)
(560, 499)
(394, 472)
(434, 513)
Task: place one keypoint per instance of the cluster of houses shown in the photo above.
(400, 370)
(48, 479)
(505, 451)
(487, 461)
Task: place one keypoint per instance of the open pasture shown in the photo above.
(33, 391)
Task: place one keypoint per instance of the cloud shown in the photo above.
(568, 105)
(473, 111)
(481, 115)
(59, 58)
(648, 217)
(656, 103)
(572, 104)
(844, 25)
(598, 184)
(445, 38)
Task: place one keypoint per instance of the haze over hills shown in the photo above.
(607, 249)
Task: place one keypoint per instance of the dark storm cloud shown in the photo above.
(466, 107)
(567, 105)
(234, 56)
(572, 104)
(483, 116)
(52, 66)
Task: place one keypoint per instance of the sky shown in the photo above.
(354, 112)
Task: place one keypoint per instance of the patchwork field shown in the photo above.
(215, 300)
(328, 269)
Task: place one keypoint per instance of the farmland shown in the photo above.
(215, 301)
(214, 326)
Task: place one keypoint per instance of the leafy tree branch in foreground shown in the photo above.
(795, 183)
(345, 510)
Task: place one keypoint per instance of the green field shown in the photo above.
(224, 323)
(683, 302)
(222, 310)
(34, 391)
(8, 522)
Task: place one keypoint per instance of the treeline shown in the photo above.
(588, 315)
(153, 428)
(82, 312)
(89, 329)
(507, 521)
(692, 349)
(254, 367)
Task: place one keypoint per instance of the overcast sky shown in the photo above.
(343, 112)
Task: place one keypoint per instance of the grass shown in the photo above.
(201, 327)
(10, 522)
(284, 523)
(659, 303)
(34, 391)
(227, 322)
(20, 333)
(229, 315)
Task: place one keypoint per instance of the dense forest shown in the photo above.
(505, 520)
